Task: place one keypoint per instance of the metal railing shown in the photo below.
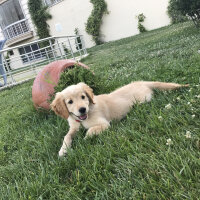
(16, 29)
(51, 2)
(23, 62)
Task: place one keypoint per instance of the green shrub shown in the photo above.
(95, 19)
(40, 15)
(76, 74)
(66, 50)
(174, 13)
(179, 9)
(141, 19)
(78, 40)
(141, 28)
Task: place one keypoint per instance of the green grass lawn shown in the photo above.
(131, 160)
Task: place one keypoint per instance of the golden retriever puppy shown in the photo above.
(80, 106)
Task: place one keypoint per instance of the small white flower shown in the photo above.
(193, 116)
(188, 134)
(190, 90)
(168, 106)
(160, 118)
(188, 103)
(178, 98)
(159, 52)
(169, 142)
(198, 96)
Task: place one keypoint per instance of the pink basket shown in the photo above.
(47, 79)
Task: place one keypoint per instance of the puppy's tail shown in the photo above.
(164, 86)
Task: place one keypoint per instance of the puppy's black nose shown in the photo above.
(82, 110)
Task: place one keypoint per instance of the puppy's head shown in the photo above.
(75, 101)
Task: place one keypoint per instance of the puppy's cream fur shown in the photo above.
(101, 109)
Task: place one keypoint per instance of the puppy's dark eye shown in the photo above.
(82, 97)
(70, 102)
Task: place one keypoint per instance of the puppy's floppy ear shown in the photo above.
(89, 91)
(59, 107)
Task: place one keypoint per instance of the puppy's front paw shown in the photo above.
(62, 152)
(87, 136)
(91, 132)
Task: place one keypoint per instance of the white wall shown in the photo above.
(119, 23)
(68, 15)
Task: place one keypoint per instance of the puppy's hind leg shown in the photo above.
(144, 95)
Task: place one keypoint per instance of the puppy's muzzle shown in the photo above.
(82, 110)
(83, 114)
